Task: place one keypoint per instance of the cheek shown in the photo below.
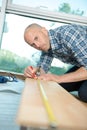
(43, 40)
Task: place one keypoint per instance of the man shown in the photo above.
(67, 43)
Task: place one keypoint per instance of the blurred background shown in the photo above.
(16, 15)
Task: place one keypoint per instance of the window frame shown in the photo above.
(44, 14)
(8, 7)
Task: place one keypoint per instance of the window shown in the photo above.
(77, 7)
(18, 53)
(0, 3)
(15, 54)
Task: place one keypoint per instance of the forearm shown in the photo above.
(79, 75)
(45, 61)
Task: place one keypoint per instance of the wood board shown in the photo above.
(71, 114)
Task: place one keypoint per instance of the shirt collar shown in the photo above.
(53, 40)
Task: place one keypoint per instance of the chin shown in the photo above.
(45, 50)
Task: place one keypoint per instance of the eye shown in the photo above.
(33, 44)
(36, 38)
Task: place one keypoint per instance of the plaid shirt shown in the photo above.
(69, 44)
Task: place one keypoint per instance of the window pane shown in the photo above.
(0, 3)
(15, 54)
(77, 7)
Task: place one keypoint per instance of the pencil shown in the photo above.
(38, 71)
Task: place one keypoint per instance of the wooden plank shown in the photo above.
(71, 114)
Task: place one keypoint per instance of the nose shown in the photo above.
(36, 44)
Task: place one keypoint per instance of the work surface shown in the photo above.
(71, 114)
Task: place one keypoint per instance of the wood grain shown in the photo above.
(71, 114)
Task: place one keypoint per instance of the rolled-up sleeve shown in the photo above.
(45, 61)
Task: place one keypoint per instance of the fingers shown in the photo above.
(43, 77)
(29, 72)
(32, 72)
(47, 77)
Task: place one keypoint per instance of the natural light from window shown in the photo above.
(13, 37)
(78, 7)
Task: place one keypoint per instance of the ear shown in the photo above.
(44, 30)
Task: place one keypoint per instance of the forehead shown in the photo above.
(32, 31)
(33, 28)
(30, 34)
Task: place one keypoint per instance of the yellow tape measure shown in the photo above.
(52, 119)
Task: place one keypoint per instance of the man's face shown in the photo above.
(38, 38)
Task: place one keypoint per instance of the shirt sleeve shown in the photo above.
(45, 60)
(77, 41)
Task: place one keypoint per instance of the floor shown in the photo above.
(10, 94)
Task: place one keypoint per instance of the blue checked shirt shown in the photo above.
(69, 44)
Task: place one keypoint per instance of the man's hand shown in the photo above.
(49, 77)
(30, 72)
(78, 75)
